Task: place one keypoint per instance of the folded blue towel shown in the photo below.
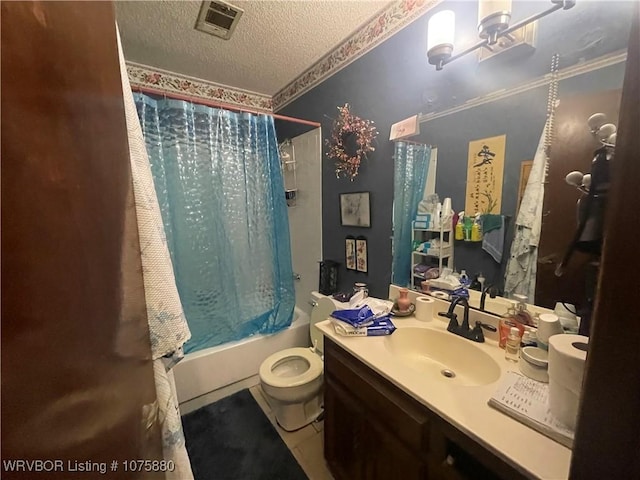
(358, 317)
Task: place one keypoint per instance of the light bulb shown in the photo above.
(574, 178)
(605, 131)
(494, 17)
(441, 29)
(440, 35)
(596, 120)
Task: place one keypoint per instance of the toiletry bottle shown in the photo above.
(459, 235)
(476, 230)
(481, 280)
(508, 321)
(529, 339)
(464, 279)
(466, 228)
(524, 316)
(513, 345)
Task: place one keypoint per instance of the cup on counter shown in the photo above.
(548, 325)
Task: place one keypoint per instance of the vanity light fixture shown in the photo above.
(440, 34)
(494, 15)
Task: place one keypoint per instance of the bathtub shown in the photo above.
(207, 375)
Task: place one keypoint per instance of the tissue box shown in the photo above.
(424, 225)
(423, 218)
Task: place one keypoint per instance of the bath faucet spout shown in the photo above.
(474, 334)
(492, 290)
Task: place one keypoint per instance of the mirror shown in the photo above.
(519, 113)
(572, 149)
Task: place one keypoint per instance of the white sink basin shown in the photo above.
(441, 353)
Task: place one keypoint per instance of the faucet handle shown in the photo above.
(445, 314)
(486, 326)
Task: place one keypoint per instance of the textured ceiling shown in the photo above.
(274, 41)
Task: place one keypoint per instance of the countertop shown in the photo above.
(465, 407)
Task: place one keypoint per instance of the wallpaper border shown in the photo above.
(146, 76)
(389, 21)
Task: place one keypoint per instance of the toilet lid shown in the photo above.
(271, 377)
(324, 308)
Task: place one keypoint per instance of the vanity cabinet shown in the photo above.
(374, 430)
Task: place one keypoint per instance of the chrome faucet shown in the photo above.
(474, 334)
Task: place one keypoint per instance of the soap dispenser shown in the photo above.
(524, 316)
(508, 321)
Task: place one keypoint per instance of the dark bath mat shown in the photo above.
(233, 439)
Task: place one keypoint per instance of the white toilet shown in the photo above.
(292, 379)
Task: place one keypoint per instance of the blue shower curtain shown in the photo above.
(411, 165)
(218, 181)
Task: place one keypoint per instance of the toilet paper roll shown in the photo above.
(567, 356)
(563, 404)
(424, 309)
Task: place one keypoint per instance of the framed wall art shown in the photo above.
(350, 253)
(361, 254)
(485, 170)
(354, 210)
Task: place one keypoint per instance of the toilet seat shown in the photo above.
(270, 378)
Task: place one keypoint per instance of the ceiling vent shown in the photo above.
(218, 18)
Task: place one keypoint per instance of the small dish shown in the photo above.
(406, 313)
(534, 363)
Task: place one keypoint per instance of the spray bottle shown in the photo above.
(459, 234)
(476, 229)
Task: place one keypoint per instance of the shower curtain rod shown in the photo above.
(226, 106)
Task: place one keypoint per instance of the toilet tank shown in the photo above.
(323, 306)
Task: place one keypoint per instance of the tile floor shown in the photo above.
(306, 444)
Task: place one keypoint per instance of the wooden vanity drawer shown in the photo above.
(403, 415)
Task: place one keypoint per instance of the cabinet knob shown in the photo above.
(450, 460)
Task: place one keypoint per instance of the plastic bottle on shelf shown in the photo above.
(512, 347)
(459, 231)
(467, 227)
(476, 229)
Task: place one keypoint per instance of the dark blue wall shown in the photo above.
(394, 81)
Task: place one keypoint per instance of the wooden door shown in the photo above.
(77, 378)
(572, 149)
(607, 443)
